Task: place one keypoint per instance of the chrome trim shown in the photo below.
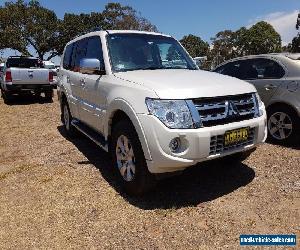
(229, 107)
(194, 113)
(256, 105)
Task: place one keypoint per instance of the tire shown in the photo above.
(283, 125)
(130, 163)
(49, 95)
(7, 97)
(66, 119)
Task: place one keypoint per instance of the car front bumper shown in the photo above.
(197, 143)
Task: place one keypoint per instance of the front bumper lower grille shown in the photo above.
(217, 143)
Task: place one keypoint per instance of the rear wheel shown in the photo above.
(49, 95)
(283, 125)
(128, 158)
(67, 119)
(7, 97)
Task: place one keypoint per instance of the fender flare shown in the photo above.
(122, 105)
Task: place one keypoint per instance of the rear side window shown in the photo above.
(267, 69)
(94, 49)
(252, 69)
(68, 56)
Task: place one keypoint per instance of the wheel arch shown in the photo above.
(275, 105)
(120, 110)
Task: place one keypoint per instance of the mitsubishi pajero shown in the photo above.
(141, 97)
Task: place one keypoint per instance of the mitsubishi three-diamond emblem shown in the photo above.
(232, 109)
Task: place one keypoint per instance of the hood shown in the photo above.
(186, 84)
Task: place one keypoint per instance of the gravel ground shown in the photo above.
(61, 194)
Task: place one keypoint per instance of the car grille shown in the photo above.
(226, 109)
(217, 143)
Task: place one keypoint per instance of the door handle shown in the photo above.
(269, 86)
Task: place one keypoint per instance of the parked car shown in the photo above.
(277, 80)
(26, 74)
(141, 97)
(51, 66)
(200, 60)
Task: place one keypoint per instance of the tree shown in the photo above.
(121, 17)
(195, 45)
(73, 25)
(295, 45)
(24, 25)
(223, 47)
(29, 26)
(261, 38)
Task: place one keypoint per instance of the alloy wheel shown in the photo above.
(125, 158)
(280, 125)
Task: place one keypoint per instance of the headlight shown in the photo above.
(260, 105)
(172, 113)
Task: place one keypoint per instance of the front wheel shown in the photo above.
(283, 125)
(128, 158)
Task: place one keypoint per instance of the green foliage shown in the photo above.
(261, 38)
(223, 47)
(121, 17)
(295, 45)
(24, 25)
(195, 45)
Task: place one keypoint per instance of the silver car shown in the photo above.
(277, 80)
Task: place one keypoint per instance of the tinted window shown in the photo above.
(78, 54)
(231, 69)
(94, 49)
(267, 69)
(68, 56)
(24, 63)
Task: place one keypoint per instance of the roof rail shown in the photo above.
(91, 30)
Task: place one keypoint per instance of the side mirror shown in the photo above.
(90, 66)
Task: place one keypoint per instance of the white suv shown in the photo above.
(140, 96)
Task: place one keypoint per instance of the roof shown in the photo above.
(104, 32)
(293, 56)
(135, 32)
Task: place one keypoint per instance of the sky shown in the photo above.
(202, 18)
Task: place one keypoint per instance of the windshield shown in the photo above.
(23, 63)
(143, 51)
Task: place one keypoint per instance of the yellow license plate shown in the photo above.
(236, 136)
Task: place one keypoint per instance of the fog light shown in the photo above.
(174, 144)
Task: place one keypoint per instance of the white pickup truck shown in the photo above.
(26, 74)
(140, 96)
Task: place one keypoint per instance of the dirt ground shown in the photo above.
(62, 194)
